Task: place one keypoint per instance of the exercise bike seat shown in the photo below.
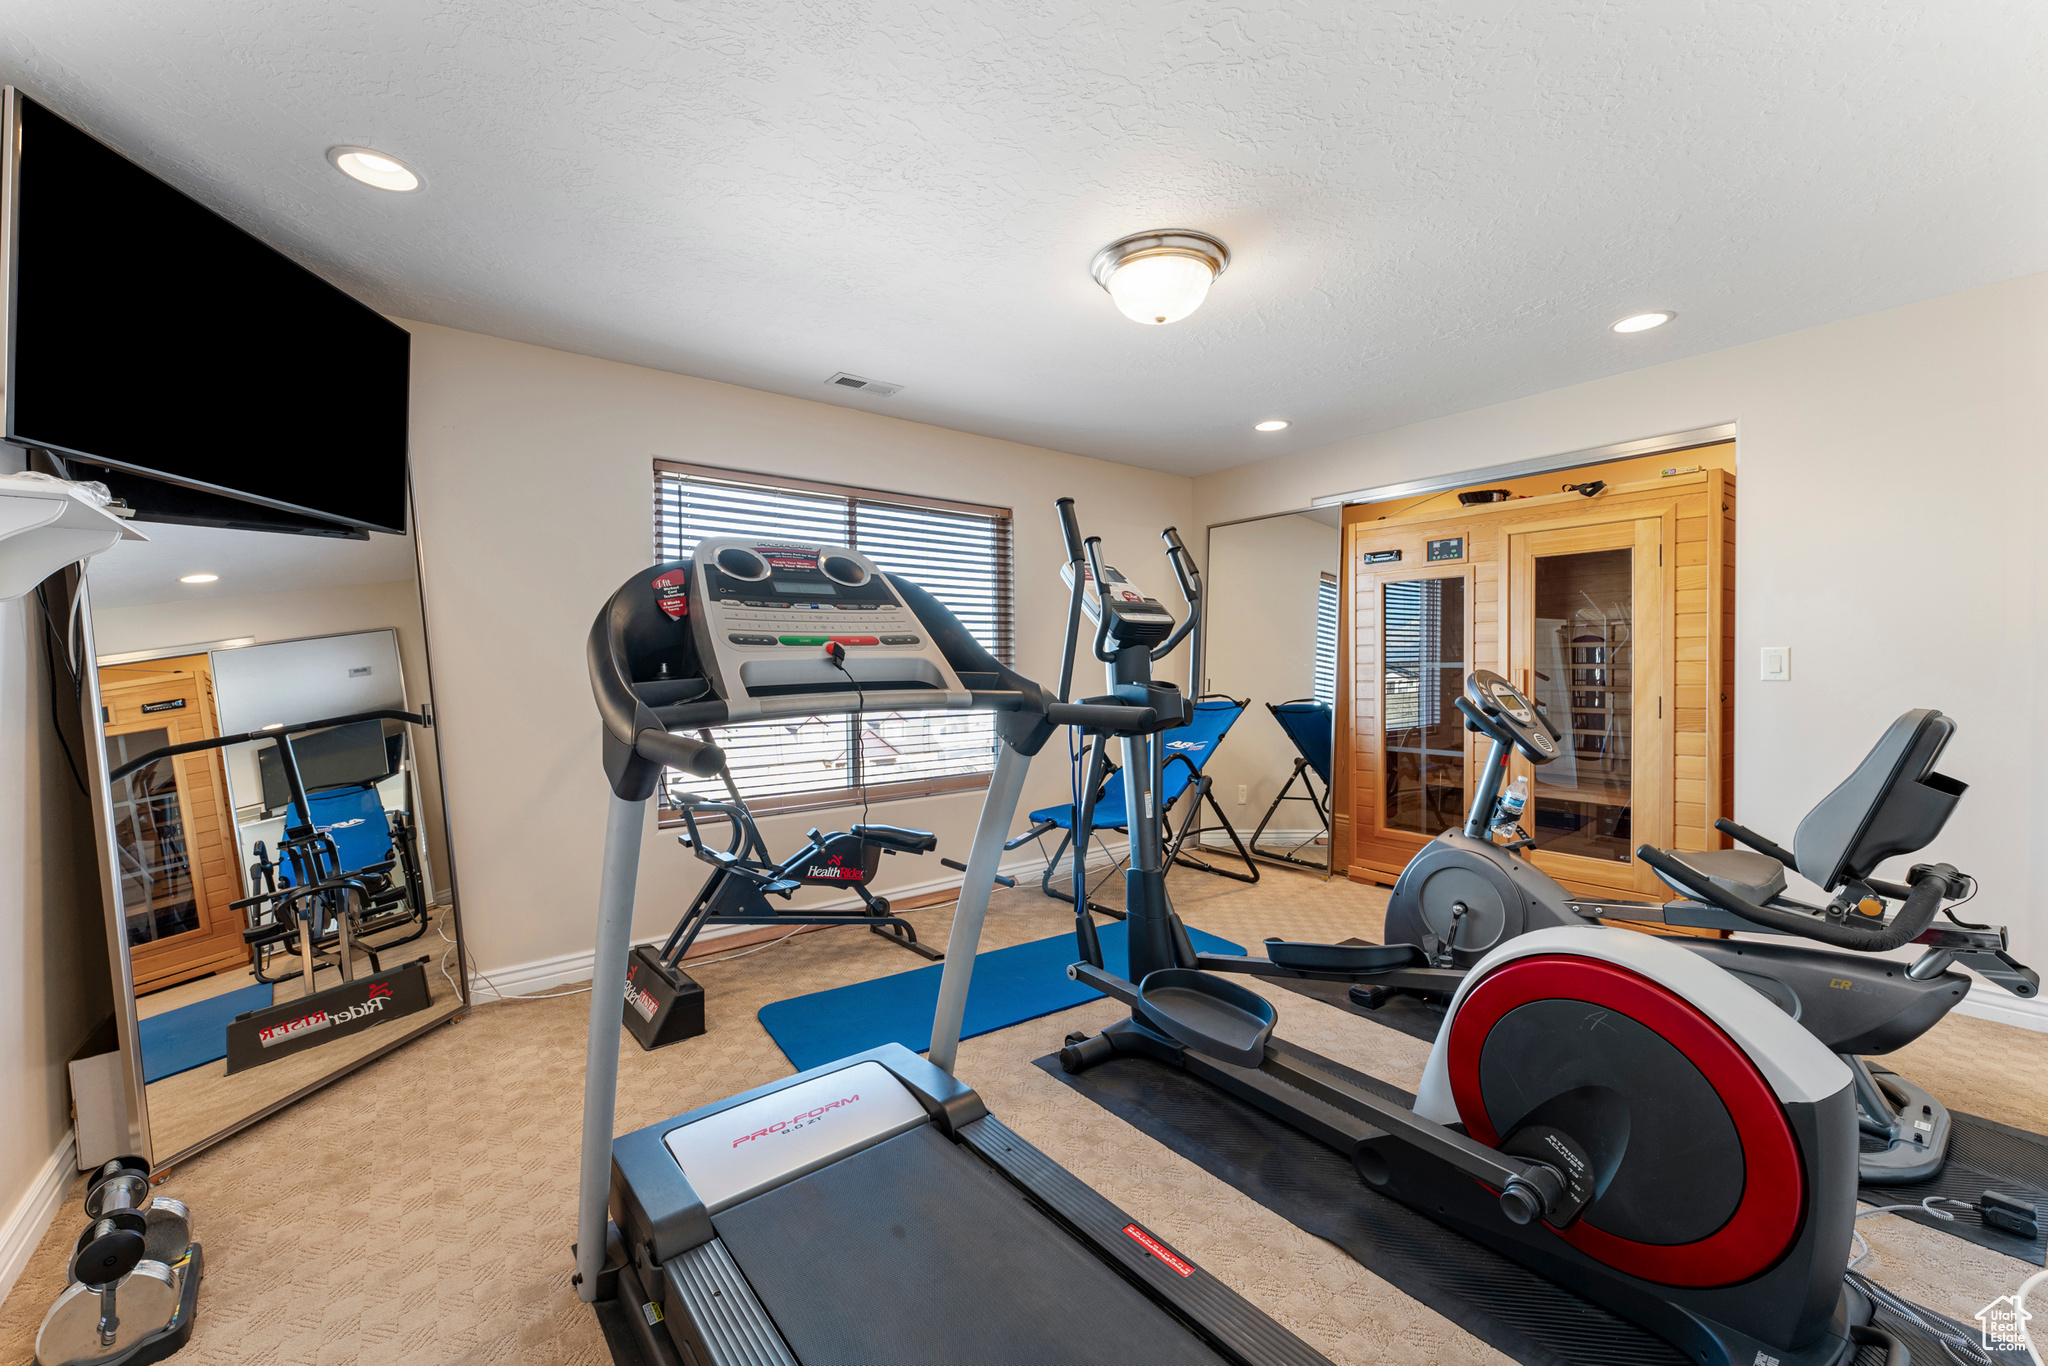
(897, 838)
(1754, 877)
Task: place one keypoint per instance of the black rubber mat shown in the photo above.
(1494, 1298)
(1414, 1017)
(1982, 1155)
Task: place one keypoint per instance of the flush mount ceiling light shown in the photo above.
(1643, 322)
(200, 578)
(1161, 276)
(1276, 425)
(374, 168)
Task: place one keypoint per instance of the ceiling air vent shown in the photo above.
(866, 386)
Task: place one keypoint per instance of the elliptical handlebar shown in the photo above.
(1077, 563)
(1190, 590)
(1093, 545)
(1930, 886)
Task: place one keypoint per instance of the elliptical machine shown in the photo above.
(1463, 895)
(1686, 1162)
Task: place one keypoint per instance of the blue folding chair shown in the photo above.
(1307, 723)
(1188, 753)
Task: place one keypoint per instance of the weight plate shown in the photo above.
(144, 1303)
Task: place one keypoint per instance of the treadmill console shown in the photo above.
(764, 611)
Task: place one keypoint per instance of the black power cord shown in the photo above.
(50, 635)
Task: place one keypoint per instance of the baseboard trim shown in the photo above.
(1997, 1004)
(515, 980)
(32, 1216)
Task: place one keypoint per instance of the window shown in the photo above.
(1326, 641)
(958, 552)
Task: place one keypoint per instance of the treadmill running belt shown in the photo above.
(915, 1252)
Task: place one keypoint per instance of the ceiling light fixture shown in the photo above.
(200, 578)
(374, 168)
(1643, 322)
(1160, 276)
(1276, 425)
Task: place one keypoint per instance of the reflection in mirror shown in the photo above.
(1270, 638)
(284, 885)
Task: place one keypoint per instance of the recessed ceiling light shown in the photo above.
(1276, 425)
(1643, 322)
(200, 578)
(1160, 276)
(374, 168)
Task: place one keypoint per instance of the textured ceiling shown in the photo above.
(1431, 207)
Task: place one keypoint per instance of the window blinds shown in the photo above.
(958, 552)
(1326, 641)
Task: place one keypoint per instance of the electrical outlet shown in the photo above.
(1243, 791)
(1777, 664)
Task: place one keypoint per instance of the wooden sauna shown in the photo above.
(1615, 611)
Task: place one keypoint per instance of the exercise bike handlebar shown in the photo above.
(1922, 901)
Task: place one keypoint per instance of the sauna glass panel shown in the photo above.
(1582, 673)
(1423, 626)
(149, 839)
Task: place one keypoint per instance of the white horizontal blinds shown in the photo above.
(959, 554)
(1326, 640)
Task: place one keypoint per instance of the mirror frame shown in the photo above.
(127, 1021)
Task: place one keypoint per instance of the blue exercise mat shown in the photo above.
(1010, 986)
(195, 1035)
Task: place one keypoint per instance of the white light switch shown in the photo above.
(1777, 663)
(1243, 791)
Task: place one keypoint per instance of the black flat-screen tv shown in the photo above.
(147, 334)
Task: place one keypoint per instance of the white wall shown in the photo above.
(533, 471)
(290, 616)
(1892, 472)
(1261, 580)
(53, 957)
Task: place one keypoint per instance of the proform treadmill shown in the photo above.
(871, 1210)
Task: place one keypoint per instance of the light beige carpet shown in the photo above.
(420, 1211)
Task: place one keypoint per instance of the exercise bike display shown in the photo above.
(664, 1004)
(1463, 895)
(1688, 1164)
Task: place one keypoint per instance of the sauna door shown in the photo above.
(171, 828)
(1588, 640)
(1414, 762)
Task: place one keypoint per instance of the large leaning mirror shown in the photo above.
(281, 885)
(1270, 641)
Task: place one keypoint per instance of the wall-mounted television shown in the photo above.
(148, 335)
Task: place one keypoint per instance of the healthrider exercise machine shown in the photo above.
(664, 1004)
(134, 1277)
(753, 1230)
(328, 905)
(1464, 894)
(1688, 1163)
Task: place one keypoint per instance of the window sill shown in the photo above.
(790, 803)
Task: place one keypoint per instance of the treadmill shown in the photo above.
(871, 1210)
